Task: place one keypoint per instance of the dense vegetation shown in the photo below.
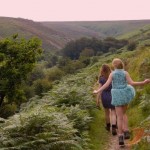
(60, 119)
(85, 47)
(17, 59)
(59, 112)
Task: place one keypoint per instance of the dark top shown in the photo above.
(106, 94)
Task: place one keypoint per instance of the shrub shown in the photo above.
(41, 86)
(54, 73)
(132, 45)
(43, 128)
(8, 110)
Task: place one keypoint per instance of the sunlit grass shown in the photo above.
(98, 134)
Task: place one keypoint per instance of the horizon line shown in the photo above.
(76, 20)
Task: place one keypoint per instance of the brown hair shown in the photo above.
(117, 63)
(105, 71)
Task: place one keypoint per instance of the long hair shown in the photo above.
(105, 71)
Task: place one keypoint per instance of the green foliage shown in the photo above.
(87, 53)
(137, 99)
(28, 91)
(41, 86)
(79, 117)
(72, 91)
(145, 104)
(8, 110)
(43, 128)
(81, 47)
(65, 117)
(42, 125)
(144, 143)
(131, 46)
(63, 61)
(73, 66)
(54, 73)
(97, 131)
(144, 68)
(94, 59)
(37, 73)
(112, 50)
(70, 66)
(51, 60)
(19, 58)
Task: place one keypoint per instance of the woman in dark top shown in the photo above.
(105, 96)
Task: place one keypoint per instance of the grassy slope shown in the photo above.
(97, 28)
(137, 34)
(56, 34)
(98, 134)
(27, 28)
(134, 61)
(83, 84)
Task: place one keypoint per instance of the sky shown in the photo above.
(76, 10)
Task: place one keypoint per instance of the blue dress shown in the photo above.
(106, 95)
(122, 93)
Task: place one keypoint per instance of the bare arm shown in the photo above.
(105, 85)
(131, 82)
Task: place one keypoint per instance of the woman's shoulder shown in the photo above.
(119, 71)
(102, 79)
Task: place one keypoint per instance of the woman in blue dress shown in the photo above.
(110, 113)
(122, 93)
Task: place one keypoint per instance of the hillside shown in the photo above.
(97, 28)
(29, 28)
(55, 35)
(66, 117)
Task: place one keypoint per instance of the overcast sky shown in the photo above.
(76, 10)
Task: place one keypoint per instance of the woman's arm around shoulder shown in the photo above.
(105, 85)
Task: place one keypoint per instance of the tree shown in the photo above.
(17, 59)
(112, 50)
(87, 53)
(132, 45)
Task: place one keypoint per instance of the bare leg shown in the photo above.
(125, 124)
(107, 119)
(125, 119)
(113, 122)
(113, 116)
(120, 114)
(107, 115)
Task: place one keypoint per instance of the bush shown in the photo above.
(41, 86)
(43, 128)
(73, 66)
(131, 46)
(8, 110)
(29, 91)
(54, 73)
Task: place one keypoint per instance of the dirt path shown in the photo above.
(113, 144)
